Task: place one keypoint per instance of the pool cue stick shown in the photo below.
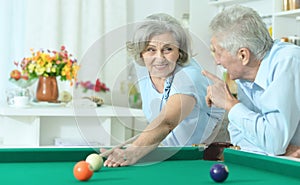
(130, 140)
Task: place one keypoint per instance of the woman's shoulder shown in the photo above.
(193, 64)
(191, 78)
(141, 71)
(192, 69)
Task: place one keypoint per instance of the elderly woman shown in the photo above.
(172, 88)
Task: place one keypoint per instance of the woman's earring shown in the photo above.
(180, 55)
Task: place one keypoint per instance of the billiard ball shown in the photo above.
(219, 172)
(95, 160)
(82, 171)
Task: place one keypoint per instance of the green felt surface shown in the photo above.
(175, 171)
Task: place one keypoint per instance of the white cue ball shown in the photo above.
(95, 160)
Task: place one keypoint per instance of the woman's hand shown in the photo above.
(125, 157)
(118, 157)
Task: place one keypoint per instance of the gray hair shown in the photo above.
(238, 27)
(158, 24)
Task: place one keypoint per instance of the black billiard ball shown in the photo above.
(219, 172)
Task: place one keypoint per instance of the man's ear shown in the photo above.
(244, 55)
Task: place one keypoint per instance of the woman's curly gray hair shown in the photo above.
(158, 24)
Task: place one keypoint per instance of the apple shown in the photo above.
(15, 74)
(25, 77)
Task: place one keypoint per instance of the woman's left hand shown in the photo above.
(121, 157)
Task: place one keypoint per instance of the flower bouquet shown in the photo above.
(43, 64)
(49, 63)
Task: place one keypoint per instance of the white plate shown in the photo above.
(47, 104)
(18, 106)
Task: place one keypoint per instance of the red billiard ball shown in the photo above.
(82, 171)
(219, 172)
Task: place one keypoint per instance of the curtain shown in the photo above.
(37, 24)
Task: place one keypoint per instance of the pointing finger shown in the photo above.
(211, 76)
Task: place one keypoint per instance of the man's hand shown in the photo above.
(293, 151)
(218, 93)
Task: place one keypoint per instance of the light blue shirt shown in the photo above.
(267, 118)
(188, 80)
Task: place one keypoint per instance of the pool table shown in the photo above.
(179, 166)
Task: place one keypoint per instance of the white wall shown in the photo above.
(136, 10)
(77, 24)
(201, 13)
(200, 16)
(142, 8)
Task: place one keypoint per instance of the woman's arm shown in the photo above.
(177, 108)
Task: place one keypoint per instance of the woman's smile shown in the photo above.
(160, 66)
(161, 55)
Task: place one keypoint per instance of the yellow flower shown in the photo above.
(31, 67)
(50, 63)
(53, 69)
(40, 70)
